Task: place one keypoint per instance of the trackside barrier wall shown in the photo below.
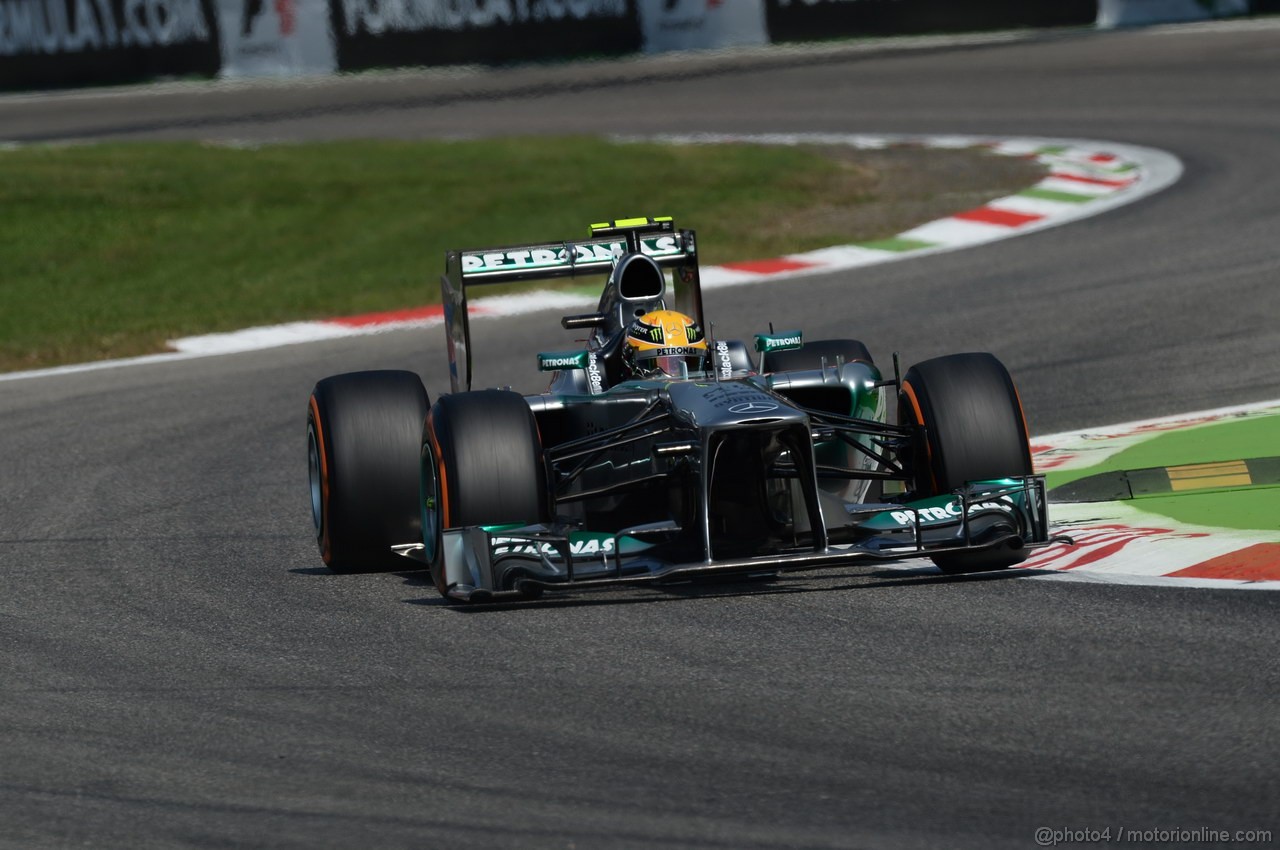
(700, 25)
(275, 38)
(1121, 13)
(55, 43)
(807, 20)
(61, 43)
(379, 33)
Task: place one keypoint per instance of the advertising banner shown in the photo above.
(1123, 13)
(272, 38)
(391, 33)
(811, 20)
(61, 43)
(53, 43)
(701, 24)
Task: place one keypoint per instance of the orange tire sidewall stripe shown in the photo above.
(915, 406)
(444, 481)
(1026, 432)
(325, 553)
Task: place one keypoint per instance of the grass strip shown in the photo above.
(110, 250)
(1218, 442)
(1252, 508)
(1054, 195)
(896, 245)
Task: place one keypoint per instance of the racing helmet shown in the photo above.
(664, 342)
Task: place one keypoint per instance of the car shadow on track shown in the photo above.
(715, 589)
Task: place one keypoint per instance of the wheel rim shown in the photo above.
(317, 483)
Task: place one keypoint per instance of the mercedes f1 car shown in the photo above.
(735, 465)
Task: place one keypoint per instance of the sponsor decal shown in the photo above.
(556, 360)
(753, 407)
(390, 33)
(660, 246)
(559, 256)
(75, 26)
(581, 544)
(537, 258)
(516, 545)
(946, 513)
(595, 379)
(785, 341)
(375, 17)
(723, 359)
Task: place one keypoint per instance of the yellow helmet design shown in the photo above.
(664, 342)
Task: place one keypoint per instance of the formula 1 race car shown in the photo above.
(660, 455)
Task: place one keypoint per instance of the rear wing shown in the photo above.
(596, 255)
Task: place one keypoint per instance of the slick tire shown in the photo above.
(480, 464)
(363, 435)
(975, 431)
(812, 354)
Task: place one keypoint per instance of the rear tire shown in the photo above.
(363, 432)
(812, 354)
(481, 464)
(976, 431)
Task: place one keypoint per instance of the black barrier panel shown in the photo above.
(1264, 7)
(809, 20)
(378, 34)
(60, 43)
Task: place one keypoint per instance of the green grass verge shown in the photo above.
(1257, 436)
(110, 250)
(1255, 508)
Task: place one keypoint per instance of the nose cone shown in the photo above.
(729, 404)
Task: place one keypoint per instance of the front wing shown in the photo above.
(483, 564)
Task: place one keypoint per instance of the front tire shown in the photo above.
(481, 464)
(363, 432)
(975, 431)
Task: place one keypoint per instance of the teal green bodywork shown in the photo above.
(942, 510)
(784, 341)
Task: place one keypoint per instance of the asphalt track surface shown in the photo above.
(180, 671)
